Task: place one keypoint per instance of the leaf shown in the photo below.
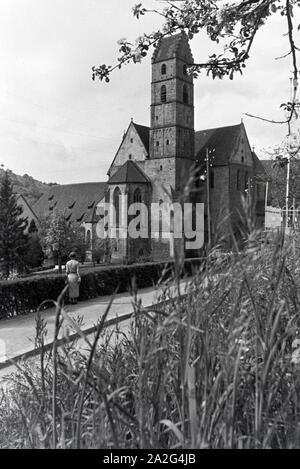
(192, 404)
(75, 326)
(174, 429)
(273, 8)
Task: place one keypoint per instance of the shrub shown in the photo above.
(23, 296)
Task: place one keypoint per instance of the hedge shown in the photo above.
(23, 296)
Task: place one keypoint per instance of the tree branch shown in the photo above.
(266, 120)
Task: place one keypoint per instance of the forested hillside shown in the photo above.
(26, 185)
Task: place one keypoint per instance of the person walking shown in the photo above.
(73, 277)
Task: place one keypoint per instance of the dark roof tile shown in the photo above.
(144, 133)
(259, 166)
(222, 139)
(77, 200)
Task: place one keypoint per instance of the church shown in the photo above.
(168, 161)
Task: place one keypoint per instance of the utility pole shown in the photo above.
(208, 199)
(266, 195)
(287, 194)
(290, 143)
(294, 213)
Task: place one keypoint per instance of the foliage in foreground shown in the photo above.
(217, 368)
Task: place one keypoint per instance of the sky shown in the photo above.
(58, 125)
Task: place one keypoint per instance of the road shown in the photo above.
(17, 334)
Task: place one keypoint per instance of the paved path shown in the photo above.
(17, 334)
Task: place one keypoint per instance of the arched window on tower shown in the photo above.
(137, 196)
(163, 94)
(116, 202)
(184, 69)
(163, 69)
(185, 96)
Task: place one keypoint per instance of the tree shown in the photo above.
(61, 236)
(35, 255)
(285, 169)
(232, 25)
(102, 250)
(277, 172)
(13, 240)
(32, 227)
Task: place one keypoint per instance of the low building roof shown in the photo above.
(25, 201)
(78, 201)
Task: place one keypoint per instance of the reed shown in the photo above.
(217, 367)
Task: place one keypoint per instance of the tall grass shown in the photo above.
(217, 367)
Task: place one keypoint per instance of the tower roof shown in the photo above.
(129, 173)
(173, 46)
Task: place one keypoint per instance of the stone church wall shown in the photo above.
(161, 172)
(219, 202)
(131, 148)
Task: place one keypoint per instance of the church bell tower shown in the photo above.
(172, 100)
